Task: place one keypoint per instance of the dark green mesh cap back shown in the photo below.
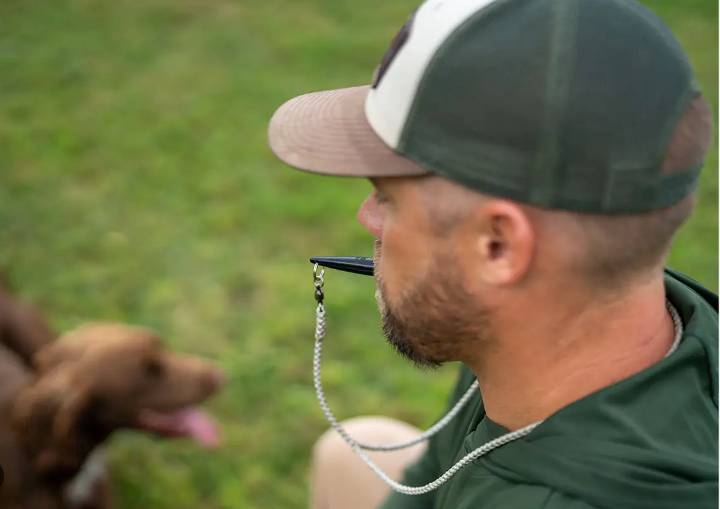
(565, 104)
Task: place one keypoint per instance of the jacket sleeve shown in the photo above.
(428, 468)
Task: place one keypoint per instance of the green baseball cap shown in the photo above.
(560, 104)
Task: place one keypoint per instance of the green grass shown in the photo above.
(137, 185)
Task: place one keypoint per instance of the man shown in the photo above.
(532, 161)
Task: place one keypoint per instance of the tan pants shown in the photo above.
(341, 480)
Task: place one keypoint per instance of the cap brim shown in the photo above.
(328, 133)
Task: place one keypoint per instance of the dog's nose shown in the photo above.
(215, 380)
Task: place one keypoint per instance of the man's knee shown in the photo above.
(340, 479)
(331, 451)
(331, 448)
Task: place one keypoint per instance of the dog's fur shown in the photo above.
(61, 399)
(23, 329)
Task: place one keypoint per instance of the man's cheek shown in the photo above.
(400, 265)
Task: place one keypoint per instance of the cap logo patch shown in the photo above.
(397, 43)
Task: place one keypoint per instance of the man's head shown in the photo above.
(517, 148)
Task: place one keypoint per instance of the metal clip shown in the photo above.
(319, 283)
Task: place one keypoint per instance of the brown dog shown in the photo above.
(87, 384)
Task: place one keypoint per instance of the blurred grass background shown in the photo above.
(137, 185)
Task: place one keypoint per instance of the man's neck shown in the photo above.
(546, 358)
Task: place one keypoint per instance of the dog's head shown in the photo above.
(103, 377)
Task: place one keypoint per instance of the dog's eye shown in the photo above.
(153, 367)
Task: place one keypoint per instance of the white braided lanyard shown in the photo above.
(358, 447)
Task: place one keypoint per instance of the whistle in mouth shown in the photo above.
(354, 264)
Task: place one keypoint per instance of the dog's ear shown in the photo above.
(47, 417)
(55, 353)
(69, 347)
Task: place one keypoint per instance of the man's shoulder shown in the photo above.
(699, 290)
(698, 308)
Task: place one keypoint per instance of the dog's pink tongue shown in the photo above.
(200, 426)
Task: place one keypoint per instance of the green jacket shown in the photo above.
(647, 442)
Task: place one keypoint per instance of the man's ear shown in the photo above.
(505, 244)
(46, 416)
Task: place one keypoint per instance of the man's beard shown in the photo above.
(436, 319)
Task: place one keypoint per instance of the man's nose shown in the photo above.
(371, 216)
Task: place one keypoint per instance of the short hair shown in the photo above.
(613, 247)
(621, 246)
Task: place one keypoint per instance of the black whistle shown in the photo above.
(355, 264)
